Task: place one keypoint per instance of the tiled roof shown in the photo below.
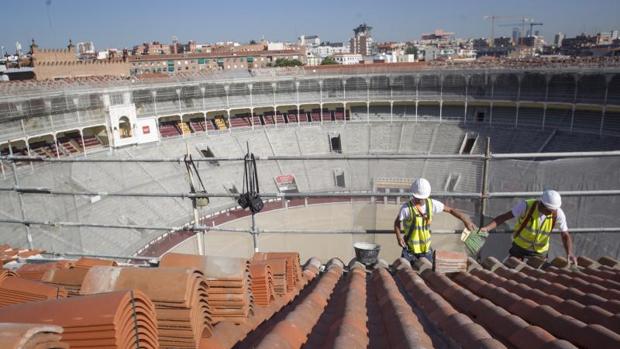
(29, 336)
(8, 254)
(271, 301)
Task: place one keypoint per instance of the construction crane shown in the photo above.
(532, 24)
(529, 21)
(494, 18)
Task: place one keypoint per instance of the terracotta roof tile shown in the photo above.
(15, 290)
(228, 280)
(276, 303)
(181, 304)
(36, 271)
(26, 336)
(609, 261)
(127, 317)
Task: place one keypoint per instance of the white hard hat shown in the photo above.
(551, 199)
(421, 188)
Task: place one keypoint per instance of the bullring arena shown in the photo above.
(94, 171)
(355, 132)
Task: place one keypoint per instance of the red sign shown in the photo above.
(146, 130)
(286, 184)
(285, 179)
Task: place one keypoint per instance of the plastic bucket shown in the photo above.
(366, 253)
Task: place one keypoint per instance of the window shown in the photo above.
(335, 144)
(339, 178)
(452, 181)
(480, 116)
(468, 143)
(208, 153)
(116, 99)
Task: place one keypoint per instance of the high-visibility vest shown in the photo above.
(418, 228)
(530, 234)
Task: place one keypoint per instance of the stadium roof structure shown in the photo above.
(271, 301)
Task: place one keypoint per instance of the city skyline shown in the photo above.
(53, 22)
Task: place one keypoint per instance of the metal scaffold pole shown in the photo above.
(484, 194)
(22, 210)
(200, 238)
(254, 233)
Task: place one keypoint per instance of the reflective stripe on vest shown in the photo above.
(419, 240)
(534, 236)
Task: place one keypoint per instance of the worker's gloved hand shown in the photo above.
(571, 259)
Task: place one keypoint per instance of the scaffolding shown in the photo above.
(482, 196)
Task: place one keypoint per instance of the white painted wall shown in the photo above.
(115, 113)
(146, 130)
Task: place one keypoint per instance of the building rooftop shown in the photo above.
(19, 89)
(274, 302)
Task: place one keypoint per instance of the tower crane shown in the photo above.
(532, 24)
(493, 18)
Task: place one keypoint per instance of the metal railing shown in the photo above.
(482, 196)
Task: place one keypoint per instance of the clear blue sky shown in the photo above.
(123, 23)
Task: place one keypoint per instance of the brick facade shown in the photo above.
(63, 63)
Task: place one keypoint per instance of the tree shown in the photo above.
(284, 62)
(328, 60)
(411, 50)
(252, 42)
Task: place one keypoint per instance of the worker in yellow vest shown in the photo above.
(535, 221)
(416, 216)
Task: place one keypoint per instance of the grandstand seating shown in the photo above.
(385, 138)
(241, 121)
(403, 111)
(220, 123)
(503, 115)
(168, 129)
(291, 117)
(587, 120)
(197, 125)
(69, 145)
(427, 110)
(612, 122)
(184, 128)
(210, 125)
(357, 138)
(530, 116)
(92, 142)
(315, 116)
(558, 118)
(46, 149)
(452, 112)
(268, 118)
